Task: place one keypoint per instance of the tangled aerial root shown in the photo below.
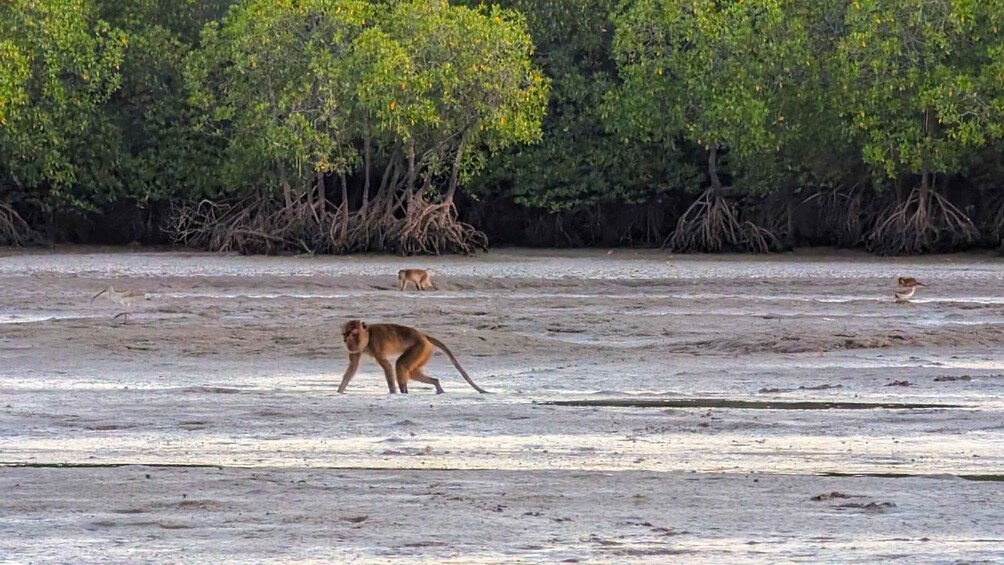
(994, 227)
(924, 222)
(256, 226)
(13, 229)
(433, 228)
(843, 215)
(709, 225)
(245, 226)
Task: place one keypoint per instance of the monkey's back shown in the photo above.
(394, 338)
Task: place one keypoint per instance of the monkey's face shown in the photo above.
(356, 336)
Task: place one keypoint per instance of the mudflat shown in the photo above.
(645, 405)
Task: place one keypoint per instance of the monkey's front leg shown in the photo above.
(351, 371)
(388, 371)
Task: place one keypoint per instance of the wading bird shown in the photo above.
(123, 297)
(907, 286)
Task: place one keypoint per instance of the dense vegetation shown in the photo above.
(432, 127)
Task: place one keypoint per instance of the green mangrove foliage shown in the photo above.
(399, 103)
(582, 164)
(59, 63)
(719, 75)
(920, 90)
(427, 126)
(161, 154)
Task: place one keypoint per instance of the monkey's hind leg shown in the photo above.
(421, 377)
(411, 362)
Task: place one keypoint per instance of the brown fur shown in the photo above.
(909, 282)
(419, 277)
(383, 340)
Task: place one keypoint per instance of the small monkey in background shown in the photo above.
(383, 340)
(419, 277)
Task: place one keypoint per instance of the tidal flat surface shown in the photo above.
(646, 407)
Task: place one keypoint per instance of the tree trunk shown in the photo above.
(925, 173)
(367, 161)
(455, 173)
(411, 166)
(716, 183)
(322, 193)
(925, 187)
(345, 206)
(385, 179)
(287, 191)
(309, 192)
(789, 196)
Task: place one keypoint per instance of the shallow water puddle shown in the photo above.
(984, 477)
(744, 404)
(967, 477)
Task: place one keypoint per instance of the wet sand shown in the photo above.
(644, 406)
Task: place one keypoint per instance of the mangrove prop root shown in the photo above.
(994, 228)
(842, 216)
(253, 226)
(924, 222)
(433, 228)
(13, 229)
(710, 225)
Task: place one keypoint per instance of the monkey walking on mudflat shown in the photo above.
(419, 277)
(382, 340)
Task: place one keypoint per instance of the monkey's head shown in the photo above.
(356, 336)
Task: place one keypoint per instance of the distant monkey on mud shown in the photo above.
(383, 340)
(909, 282)
(419, 277)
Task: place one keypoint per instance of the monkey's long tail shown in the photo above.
(456, 363)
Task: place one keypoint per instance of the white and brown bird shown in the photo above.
(907, 287)
(124, 297)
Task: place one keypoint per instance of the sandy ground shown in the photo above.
(716, 410)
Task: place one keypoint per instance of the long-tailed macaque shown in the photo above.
(382, 340)
(419, 277)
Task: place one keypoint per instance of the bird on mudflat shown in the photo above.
(904, 294)
(907, 287)
(124, 297)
